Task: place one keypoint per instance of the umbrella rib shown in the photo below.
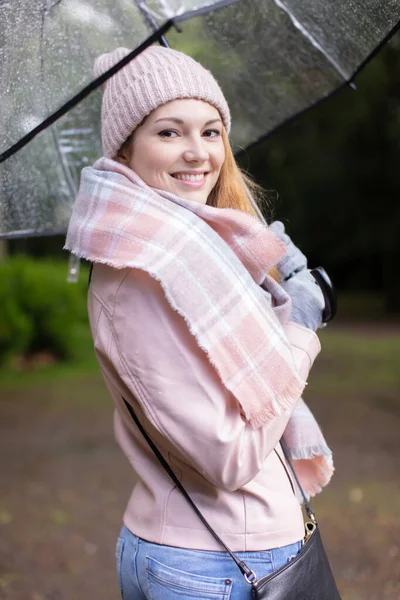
(30, 233)
(311, 39)
(149, 18)
(84, 92)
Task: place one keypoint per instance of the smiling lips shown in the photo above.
(191, 179)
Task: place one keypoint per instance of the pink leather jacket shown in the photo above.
(236, 475)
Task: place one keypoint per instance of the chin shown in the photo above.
(192, 197)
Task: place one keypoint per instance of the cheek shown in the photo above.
(145, 163)
(155, 160)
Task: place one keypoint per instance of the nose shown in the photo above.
(196, 150)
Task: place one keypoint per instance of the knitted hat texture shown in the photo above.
(155, 77)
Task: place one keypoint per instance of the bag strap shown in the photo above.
(307, 505)
(242, 566)
(248, 574)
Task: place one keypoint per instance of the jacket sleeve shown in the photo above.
(182, 394)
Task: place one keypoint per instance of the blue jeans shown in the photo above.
(149, 571)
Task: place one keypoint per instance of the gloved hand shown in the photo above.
(294, 260)
(307, 300)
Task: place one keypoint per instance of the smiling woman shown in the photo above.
(178, 148)
(192, 333)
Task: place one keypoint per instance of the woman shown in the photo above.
(191, 330)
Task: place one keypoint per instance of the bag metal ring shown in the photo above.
(251, 578)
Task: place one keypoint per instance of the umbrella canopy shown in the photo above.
(272, 58)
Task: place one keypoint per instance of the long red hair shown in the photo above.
(233, 189)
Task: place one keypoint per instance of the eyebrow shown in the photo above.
(176, 120)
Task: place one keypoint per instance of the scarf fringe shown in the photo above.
(310, 452)
(314, 468)
(277, 406)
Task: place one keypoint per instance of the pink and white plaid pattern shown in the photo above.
(212, 264)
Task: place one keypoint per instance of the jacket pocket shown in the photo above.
(166, 583)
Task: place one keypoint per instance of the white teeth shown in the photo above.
(187, 177)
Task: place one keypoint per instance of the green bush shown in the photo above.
(40, 311)
(15, 326)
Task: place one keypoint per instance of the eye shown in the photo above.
(168, 133)
(211, 133)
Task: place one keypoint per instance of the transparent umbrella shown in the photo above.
(274, 59)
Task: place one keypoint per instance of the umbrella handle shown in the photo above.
(328, 291)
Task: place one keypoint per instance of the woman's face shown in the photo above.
(179, 149)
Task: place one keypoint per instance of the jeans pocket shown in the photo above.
(119, 549)
(166, 583)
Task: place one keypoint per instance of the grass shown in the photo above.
(83, 364)
(351, 360)
(359, 352)
(355, 361)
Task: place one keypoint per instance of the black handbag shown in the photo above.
(307, 576)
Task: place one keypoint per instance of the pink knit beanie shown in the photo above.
(158, 75)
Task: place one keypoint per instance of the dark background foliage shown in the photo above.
(336, 171)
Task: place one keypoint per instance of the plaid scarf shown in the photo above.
(213, 266)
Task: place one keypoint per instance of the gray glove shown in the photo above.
(294, 260)
(307, 300)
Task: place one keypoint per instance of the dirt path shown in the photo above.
(64, 485)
